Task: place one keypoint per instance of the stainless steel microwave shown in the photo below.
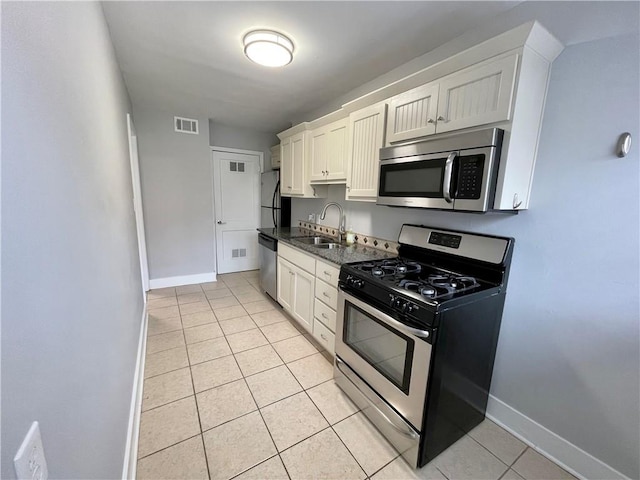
(458, 172)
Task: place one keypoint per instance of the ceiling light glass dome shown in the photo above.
(268, 48)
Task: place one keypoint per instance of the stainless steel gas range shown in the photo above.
(416, 336)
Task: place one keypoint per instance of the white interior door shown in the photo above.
(137, 202)
(236, 187)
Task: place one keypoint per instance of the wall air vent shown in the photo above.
(238, 252)
(185, 125)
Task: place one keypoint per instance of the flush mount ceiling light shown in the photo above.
(268, 48)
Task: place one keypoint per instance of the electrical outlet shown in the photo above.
(29, 462)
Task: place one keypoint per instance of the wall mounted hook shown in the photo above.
(624, 144)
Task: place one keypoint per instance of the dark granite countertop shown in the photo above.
(338, 256)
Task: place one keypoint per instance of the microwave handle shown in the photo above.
(448, 173)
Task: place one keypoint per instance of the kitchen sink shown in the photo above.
(315, 240)
(329, 245)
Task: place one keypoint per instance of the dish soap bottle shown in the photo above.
(351, 236)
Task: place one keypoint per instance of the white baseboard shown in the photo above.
(182, 280)
(570, 457)
(131, 448)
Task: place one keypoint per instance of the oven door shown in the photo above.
(423, 181)
(392, 358)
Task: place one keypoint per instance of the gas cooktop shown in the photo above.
(436, 269)
(427, 281)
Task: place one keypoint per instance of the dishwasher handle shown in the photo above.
(266, 241)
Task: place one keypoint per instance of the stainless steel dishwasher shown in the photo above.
(268, 265)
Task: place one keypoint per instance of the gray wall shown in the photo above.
(71, 289)
(568, 354)
(177, 195)
(221, 135)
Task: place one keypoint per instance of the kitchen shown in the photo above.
(577, 381)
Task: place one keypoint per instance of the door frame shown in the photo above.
(137, 203)
(213, 186)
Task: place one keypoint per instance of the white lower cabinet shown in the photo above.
(296, 286)
(308, 291)
(326, 304)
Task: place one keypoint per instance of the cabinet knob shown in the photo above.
(431, 120)
(348, 188)
(323, 337)
(442, 119)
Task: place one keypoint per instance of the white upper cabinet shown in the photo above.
(366, 138)
(275, 156)
(413, 114)
(328, 151)
(295, 165)
(501, 82)
(477, 96)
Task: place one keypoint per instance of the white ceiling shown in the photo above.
(187, 58)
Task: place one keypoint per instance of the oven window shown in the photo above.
(384, 348)
(412, 179)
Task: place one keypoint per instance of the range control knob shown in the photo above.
(412, 308)
(354, 282)
(400, 304)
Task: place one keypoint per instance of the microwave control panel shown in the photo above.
(470, 177)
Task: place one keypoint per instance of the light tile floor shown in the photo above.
(234, 389)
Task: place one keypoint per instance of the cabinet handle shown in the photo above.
(348, 188)
(431, 120)
(327, 172)
(442, 119)
(325, 294)
(323, 337)
(220, 222)
(289, 187)
(327, 273)
(324, 315)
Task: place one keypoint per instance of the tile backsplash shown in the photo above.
(360, 238)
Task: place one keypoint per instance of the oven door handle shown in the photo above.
(448, 174)
(416, 332)
(409, 433)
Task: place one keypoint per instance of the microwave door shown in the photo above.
(422, 181)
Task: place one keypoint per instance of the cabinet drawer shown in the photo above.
(327, 294)
(327, 273)
(325, 314)
(323, 335)
(298, 258)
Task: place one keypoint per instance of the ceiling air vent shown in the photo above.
(186, 125)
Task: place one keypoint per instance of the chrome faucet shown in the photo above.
(341, 230)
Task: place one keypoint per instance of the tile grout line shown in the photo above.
(493, 454)
(195, 399)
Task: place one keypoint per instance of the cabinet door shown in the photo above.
(413, 114)
(285, 277)
(477, 96)
(297, 164)
(366, 138)
(275, 156)
(303, 298)
(318, 151)
(286, 168)
(338, 143)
